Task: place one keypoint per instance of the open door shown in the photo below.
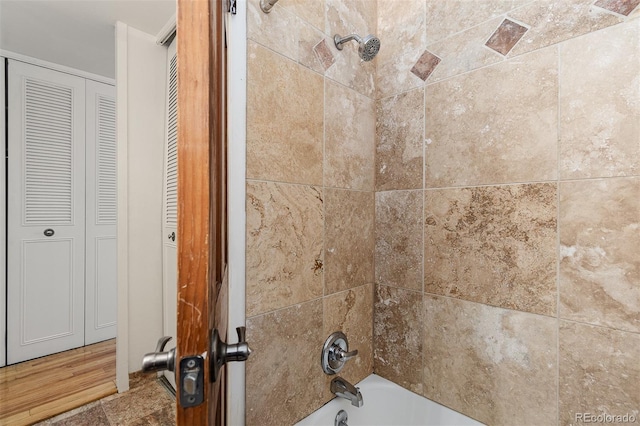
(202, 219)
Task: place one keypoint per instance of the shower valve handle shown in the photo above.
(342, 355)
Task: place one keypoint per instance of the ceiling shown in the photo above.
(77, 33)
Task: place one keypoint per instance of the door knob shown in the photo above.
(159, 360)
(221, 352)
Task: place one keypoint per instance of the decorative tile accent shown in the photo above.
(599, 103)
(350, 126)
(401, 27)
(495, 365)
(448, 17)
(425, 65)
(286, 348)
(599, 261)
(599, 373)
(324, 55)
(309, 38)
(551, 22)
(494, 125)
(399, 141)
(623, 7)
(493, 245)
(287, 146)
(399, 239)
(464, 51)
(506, 36)
(397, 336)
(349, 239)
(284, 245)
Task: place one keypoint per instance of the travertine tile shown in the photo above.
(313, 51)
(284, 245)
(163, 417)
(278, 30)
(130, 406)
(494, 245)
(494, 125)
(349, 17)
(397, 336)
(284, 119)
(351, 312)
(93, 415)
(284, 378)
(495, 365)
(445, 18)
(399, 239)
(551, 22)
(464, 52)
(399, 141)
(623, 7)
(349, 239)
(402, 31)
(600, 103)
(599, 373)
(311, 11)
(349, 138)
(599, 240)
(506, 36)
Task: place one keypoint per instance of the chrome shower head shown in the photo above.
(367, 48)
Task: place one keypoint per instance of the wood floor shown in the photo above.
(41, 388)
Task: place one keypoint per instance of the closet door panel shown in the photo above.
(170, 209)
(46, 156)
(101, 286)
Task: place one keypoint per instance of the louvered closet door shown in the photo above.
(170, 209)
(100, 307)
(45, 212)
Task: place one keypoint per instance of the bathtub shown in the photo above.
(387, 404)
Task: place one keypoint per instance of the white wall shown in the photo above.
(140, 84)
(3, 234)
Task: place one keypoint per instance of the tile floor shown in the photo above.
(146, 403)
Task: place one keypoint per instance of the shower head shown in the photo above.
(368, 47)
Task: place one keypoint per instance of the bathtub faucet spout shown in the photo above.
(340, 387)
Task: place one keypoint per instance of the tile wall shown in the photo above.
(475, 190)
(507, 224)
(310, 202)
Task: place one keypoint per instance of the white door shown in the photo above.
(100, 287)
(170, 210)
(3, 196)
(45, 313)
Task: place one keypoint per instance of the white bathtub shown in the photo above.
(387, 404)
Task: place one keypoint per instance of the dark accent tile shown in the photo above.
(425, 65)
(623, 7)
(506, 36)
(324, 54)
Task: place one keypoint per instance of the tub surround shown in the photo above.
(473, 189)
(530, 211)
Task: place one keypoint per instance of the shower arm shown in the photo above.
(339, 41)
(266, 5)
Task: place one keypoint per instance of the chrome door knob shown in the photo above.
(159, 360)
(221, 352)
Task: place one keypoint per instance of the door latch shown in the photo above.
(191, 381)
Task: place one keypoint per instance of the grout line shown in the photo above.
(558, 259)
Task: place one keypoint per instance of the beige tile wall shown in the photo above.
(310, 202)
(508, 281)
(492, 196)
